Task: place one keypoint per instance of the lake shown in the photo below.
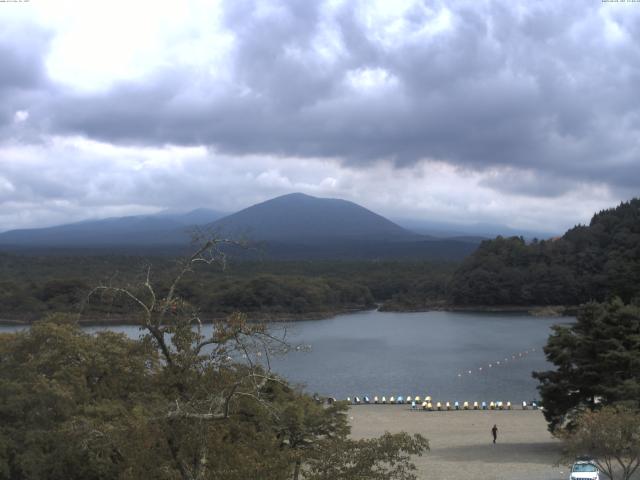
(448, 355)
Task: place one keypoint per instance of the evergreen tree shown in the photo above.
(597, 361)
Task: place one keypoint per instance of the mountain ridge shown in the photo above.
(157, 229)
(300, 218)
(289, 226)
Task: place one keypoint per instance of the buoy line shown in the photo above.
(506, 361)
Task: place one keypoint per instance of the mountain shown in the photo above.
(292, 227)
(164, 228)
(299, 226)
(302, 219)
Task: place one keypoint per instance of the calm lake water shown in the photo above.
(384, 353)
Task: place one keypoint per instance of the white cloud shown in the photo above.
(370, 78)
(96, 44)
(20, 116)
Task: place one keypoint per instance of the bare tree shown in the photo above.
(207, 370)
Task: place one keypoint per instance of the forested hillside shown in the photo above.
(32, 286)
(591, 262)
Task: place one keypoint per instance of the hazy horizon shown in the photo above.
(419, 225)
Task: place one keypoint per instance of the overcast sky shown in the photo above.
(520, 113)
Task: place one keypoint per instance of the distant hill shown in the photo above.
(164, 228)
(302, 219)
(299, 226)
(591, 262)
(293, 227)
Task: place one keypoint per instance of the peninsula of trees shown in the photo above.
(589, 262)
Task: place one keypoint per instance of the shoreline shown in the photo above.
(127, 320)
(532, 310)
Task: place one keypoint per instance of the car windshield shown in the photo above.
(584, 467)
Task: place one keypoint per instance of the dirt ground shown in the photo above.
(461, 442)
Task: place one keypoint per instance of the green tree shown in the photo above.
(611, 436)
(62, 395)
(182, 402)
(594, 262)
(383, 458)
(597, 361)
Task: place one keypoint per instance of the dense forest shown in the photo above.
(32, 286)
(593, 262)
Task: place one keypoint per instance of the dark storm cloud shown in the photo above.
(23, 77)
(21, 57)
(542, 87)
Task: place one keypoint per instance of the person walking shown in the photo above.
(494, 432)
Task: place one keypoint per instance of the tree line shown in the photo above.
(31, 287)
(594, 262)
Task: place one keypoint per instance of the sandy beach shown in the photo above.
(461, 442)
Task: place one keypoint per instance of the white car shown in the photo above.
(584, 470)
